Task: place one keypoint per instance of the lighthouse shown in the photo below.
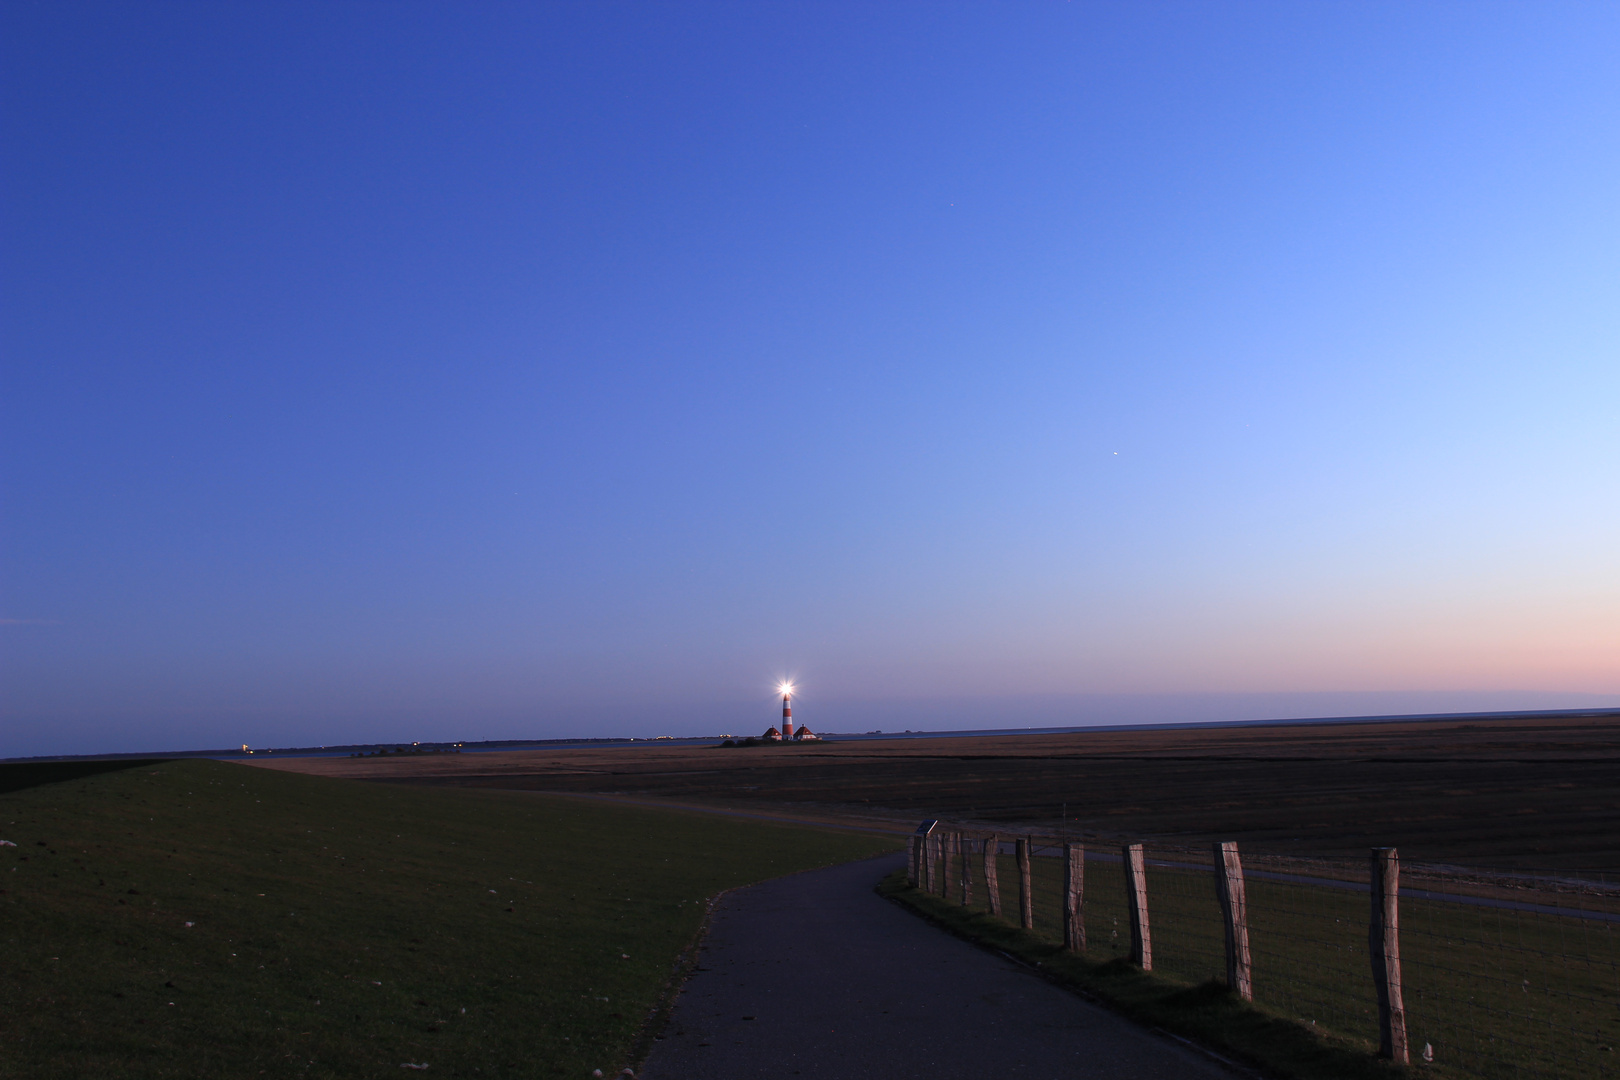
(787, 733)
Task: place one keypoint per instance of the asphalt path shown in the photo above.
(815, 975)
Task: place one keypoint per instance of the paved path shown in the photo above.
(815, 975)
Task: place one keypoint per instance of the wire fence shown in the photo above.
(1501, 975)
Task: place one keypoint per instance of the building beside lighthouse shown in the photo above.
(800, 734)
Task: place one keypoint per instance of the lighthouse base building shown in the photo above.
(800, 734)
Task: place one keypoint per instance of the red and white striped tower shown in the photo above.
(787, 711)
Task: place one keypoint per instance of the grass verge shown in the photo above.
(201, 919)
(1206, 1013)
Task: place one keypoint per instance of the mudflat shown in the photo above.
(1518, 792)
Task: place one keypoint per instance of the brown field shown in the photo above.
(1525, 792)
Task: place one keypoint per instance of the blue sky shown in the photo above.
(418, 371)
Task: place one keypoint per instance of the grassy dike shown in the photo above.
(200, 919)
(1205, 1013)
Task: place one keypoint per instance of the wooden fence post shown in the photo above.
(1384, 950)
(953, 881)
(917, 865)
(958, 857)
(1235, 915)
(1136, 901)
(992, 849)
(1074, 893)
(1026, 893)
(930, 861)
(967, 870)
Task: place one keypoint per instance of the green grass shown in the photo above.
(342, 929)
